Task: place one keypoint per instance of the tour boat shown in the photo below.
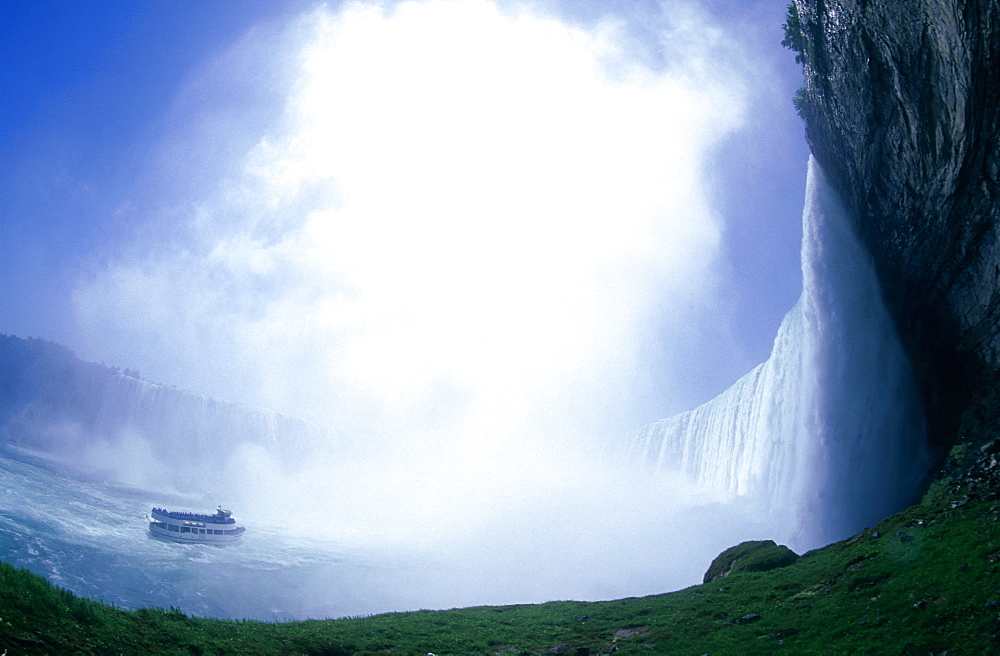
(195, 527)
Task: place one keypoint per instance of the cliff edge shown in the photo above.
(902, 108)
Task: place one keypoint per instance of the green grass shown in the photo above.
(923, 582)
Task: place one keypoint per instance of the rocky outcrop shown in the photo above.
(751, 556)
(902, 110)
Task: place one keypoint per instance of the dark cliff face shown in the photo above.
(902, 108)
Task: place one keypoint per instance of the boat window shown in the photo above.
(185, 529)
(173, 527)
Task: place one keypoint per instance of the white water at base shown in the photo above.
(826, 436)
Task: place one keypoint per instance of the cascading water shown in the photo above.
(197, 436)
(135, 432)
(828, 432)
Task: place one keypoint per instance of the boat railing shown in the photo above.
(195, 517)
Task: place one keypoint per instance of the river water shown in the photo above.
(91, 537)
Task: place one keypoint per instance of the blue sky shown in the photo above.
(86, 86)
(138, 138)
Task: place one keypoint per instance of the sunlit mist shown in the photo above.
(460, 217)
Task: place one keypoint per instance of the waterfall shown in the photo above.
(102, 422)
(194, 442)
(185, 426)
(828, 432)
(826, 435)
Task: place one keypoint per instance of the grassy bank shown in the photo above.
(924, 581)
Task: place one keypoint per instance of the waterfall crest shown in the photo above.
(184, 426)
(99, 421)
(828, 432)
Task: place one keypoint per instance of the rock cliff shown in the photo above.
(902, 107)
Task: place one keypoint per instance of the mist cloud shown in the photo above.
(477, 239)
(461, 220)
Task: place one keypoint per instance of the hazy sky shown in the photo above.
(451, 213)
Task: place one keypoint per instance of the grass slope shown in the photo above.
(923, 582)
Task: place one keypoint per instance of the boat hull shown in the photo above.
(195, 535)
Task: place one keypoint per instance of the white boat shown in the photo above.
(219, 527)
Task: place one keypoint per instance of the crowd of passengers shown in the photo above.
(196, 517)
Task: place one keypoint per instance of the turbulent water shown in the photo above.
(91, 537)
(819, 441)
(826, 433)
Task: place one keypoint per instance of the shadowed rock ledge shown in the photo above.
(902, 108)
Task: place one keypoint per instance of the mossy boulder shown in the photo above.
(750, 556)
